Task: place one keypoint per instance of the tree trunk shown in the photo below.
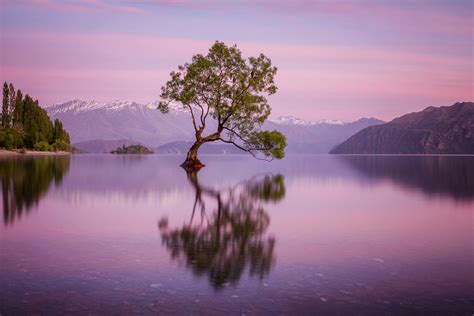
(192, 162)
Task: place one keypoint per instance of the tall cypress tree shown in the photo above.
(11, 103)
(18, 111)
(5, 103)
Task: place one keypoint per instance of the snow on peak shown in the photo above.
(333, 122)
(291, 120)
(80, 106)
(174, 107)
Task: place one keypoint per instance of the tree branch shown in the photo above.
(233, 104)
(212, 137)
(192, 116)
(202, 112)
(205, 100)
(249, 150)
(235, 133)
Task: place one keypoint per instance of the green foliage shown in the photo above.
(10, 139)
(231, 90)
(59, 134)
(37, 125)
(61, 145)
(18, 111)
(25, 123)
(5, 102)
(11, 101)
(132, 149)
(42, 146)
(270, 143)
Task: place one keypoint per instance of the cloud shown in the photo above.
(421, 16)
(109, 49)
(417, 17)
(56, 66)
(83, 6)
(294, 6)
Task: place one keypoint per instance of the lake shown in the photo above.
(122, 235)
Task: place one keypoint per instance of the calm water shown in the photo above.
(336, 235)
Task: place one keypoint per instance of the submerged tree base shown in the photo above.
(192, 164)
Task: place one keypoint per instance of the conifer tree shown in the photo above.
(11, 103)
(18, 111)
(5, 103)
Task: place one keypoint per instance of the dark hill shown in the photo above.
(443, 130)
(132, 149)
(102, 146)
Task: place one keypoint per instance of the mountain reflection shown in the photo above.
(232, 238)
(25, 180)
(434, 175)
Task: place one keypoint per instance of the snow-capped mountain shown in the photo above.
(143, 123)
(93, 122)
(78, 106)
(333, 122)
(289, 120)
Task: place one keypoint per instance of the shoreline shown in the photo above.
(5, 152)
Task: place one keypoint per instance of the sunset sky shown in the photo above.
(336, 59)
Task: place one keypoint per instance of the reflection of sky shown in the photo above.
(333, 229)
(336, 59)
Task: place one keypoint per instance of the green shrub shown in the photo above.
(42, 146)
(10, 139)
(61, 145)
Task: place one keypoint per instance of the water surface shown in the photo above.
(106, 234)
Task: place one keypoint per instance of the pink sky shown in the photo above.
(337, 60)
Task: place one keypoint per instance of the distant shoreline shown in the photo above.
(4, 152)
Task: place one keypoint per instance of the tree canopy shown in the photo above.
(233, 91)
(25, 124)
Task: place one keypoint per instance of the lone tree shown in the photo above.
(228, 93)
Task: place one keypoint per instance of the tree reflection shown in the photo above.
(232, 239)
(25, 180)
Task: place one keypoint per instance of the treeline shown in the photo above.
(24, 124)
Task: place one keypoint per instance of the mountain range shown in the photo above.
(101, 127)
(435, 130)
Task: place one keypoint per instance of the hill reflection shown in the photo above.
(25, 180)
(223, 244)
(433, 175)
